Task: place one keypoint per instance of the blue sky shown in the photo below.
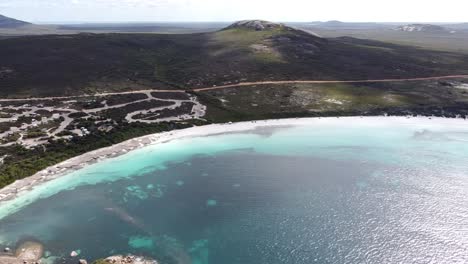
(231, 10)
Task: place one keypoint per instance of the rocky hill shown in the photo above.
(6, 22)
(422, 28)
(258, 25)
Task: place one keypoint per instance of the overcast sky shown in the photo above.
(231, 10)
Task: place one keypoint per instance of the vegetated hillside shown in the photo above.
(6, 22)
(439, 98)
(73, 64)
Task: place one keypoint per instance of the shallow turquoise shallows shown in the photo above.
(348, 190)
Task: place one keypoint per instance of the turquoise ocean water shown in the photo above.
(326, 192)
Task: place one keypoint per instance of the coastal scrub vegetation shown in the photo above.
(257, 102)
(21, 162)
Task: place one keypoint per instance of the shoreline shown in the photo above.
(22, 186)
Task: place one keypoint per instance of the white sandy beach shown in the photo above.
(21, 186)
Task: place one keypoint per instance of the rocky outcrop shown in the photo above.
(422, 28)
(27, 253)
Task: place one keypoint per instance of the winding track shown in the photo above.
(243, 84)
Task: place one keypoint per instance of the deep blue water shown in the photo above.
(323, 193)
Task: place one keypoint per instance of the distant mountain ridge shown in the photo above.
(7, 22)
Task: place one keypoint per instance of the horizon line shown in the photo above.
(232, 21)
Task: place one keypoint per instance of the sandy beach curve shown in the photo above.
(22, 186)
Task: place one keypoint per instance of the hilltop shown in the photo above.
(6, 22)
(259, 25)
